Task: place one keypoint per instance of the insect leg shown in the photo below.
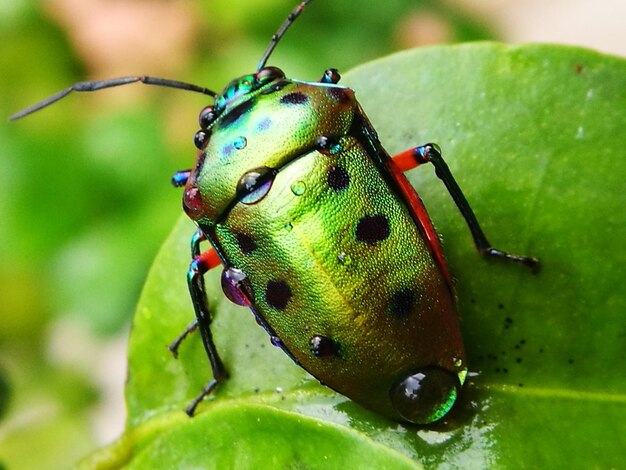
(174, 345)
(180, 178)
(201, 263)
(431, 153)
(331, 76)
(197, 238)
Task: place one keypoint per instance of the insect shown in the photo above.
(320, 234)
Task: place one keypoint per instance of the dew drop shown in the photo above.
(254, 185)
(425, 396)
(298, 188)
(323, 346)
(258, 194)
(328, 145)
(235, 286)
(192, 202)
(344, 259)
(201, 139)
(207, 116)
(288, 226)
(240, 143)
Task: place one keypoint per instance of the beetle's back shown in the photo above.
(337, 267)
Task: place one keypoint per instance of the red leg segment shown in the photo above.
(403, 162)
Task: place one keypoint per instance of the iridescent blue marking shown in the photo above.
(180, 178)
(228, 149)
(264, 124)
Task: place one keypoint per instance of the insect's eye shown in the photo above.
(269, 74)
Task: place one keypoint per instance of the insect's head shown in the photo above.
(239, 90)
(248, 84)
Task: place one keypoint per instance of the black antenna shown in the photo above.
(99, 85)
(281, 32)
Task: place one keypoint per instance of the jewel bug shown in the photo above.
(321, 235)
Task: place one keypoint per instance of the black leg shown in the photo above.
(195, 280)
(197, 238)
(431, 153)
(174, 345)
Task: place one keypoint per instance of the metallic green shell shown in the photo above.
(268, 134)
(332, 249)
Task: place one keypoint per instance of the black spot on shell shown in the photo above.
(372, 228)
(277, 294)
(237, 112)
(338, 178)
(322, 346)
(294, 98)
(401, 303)
(339, 94)
(246, 243)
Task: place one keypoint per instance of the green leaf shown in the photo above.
(535, 137)
(243, 435)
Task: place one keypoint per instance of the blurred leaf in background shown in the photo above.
(85, 199)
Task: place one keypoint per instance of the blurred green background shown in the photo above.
(85, 195)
